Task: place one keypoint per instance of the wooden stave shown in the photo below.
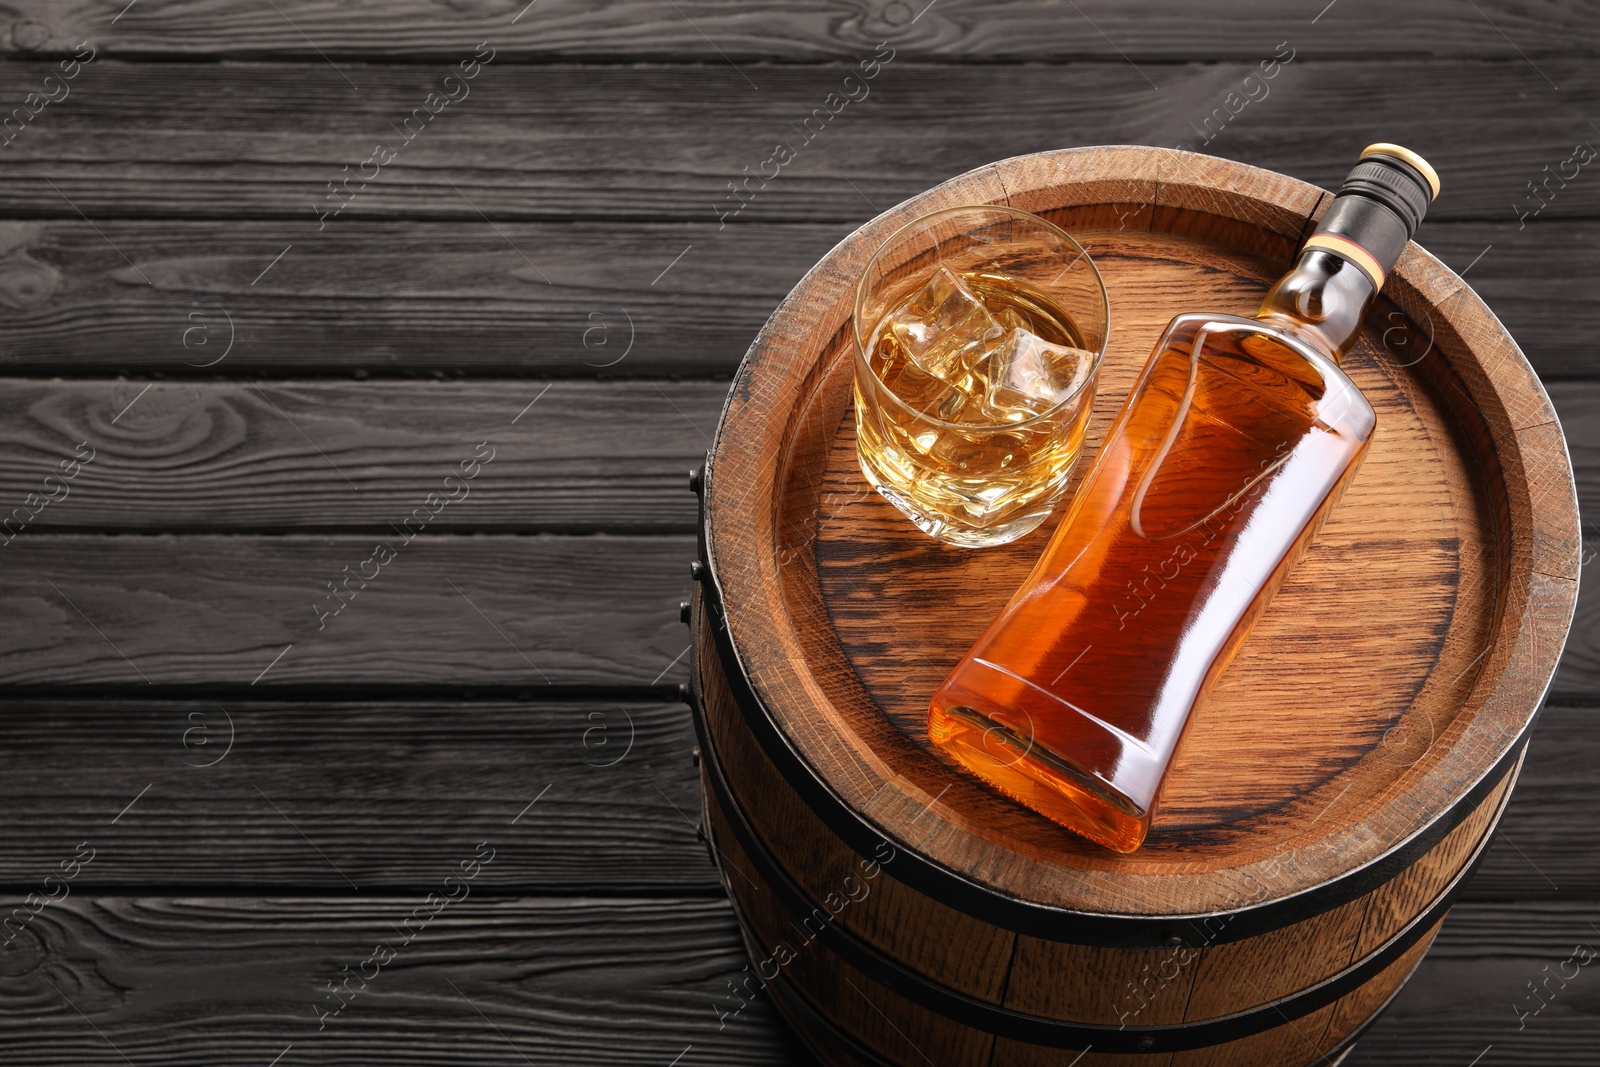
(721, 807)
(1545, 597)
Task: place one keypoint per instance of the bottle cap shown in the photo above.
(1378, 209)
(1411, 159)
(1397, 178)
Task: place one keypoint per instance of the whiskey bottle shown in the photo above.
(1234, 443)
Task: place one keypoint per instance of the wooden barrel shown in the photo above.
(1334, 790)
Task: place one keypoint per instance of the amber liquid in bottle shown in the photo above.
(1233, 445)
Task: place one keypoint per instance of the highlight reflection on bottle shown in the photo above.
(1231, 448)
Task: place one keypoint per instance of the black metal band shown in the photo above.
(1044, 921)
(1041, 1030)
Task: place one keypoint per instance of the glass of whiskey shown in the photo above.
(979, 333)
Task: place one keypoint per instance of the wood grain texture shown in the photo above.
(513, 611)
(371, 795)
(971, 953)
(1542, 850)
(586, 456)
(1390, 531)
(1536, 279)
(427, 770)
(626, 983)
(816, 30)
(395, 298)
(1466, 992)
(597, 175)
(565, 142)
(520, 981)
(196, 298)
(212, 455)
(1579, 675)
(1578, 403)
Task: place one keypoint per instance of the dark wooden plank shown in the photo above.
(509, 983)
(243, 140)
(403, 297)
(220, 610)
(814, 29)
(1539, 280)
(1536, 853)
(1578, 404)
(225, 456)
(390, 297)
(269, 587)
(308, 795)
(610, 983)
(382, 792)
(159, 598)
(1466, 994)
(203, 609)
(1579, 675)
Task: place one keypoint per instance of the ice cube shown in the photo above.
(945, 329)
(916, 387)
(1028, 376)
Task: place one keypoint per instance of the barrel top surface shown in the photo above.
(1397, 667)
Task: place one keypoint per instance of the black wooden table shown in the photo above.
(354, 356)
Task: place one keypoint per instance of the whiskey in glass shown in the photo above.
(979, 332)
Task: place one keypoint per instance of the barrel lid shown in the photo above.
(1387, 685)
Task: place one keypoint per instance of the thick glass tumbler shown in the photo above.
(979, 333)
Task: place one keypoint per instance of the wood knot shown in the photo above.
(21, 955)
(30, 35)
(25, 282)
(890, 15)
(175, 424)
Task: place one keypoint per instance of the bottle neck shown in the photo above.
(1343, 263)
(1322, 301)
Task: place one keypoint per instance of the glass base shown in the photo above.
(966, 535)
(1038, 778)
